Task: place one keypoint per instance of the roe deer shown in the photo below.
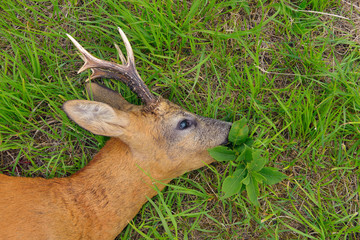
(150, 145)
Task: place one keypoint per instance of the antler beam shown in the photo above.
(126, 72)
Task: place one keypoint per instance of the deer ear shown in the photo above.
(108, 96)
(96, 117)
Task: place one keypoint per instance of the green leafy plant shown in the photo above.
(247, 164)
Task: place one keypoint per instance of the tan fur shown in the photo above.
(95, 203)
(147, 149)
(100, 200)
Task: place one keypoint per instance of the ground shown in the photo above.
(291, 68)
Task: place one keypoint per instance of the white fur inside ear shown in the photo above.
(99, 118)
(94, 112)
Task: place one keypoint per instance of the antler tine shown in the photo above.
(121, 55)
(129, 51)
(90, 60)
(126, 73)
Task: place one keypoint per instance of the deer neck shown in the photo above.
(112, 188)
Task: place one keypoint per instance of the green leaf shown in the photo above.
(272, 175)
(245, 155)
(232, 184)
(258, 177)
(252, 190)
(222, 154)
(239, 132)
(258, 162)
(246, 180)
(257, 153)
(249, 141)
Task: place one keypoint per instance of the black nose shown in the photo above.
(225, 142)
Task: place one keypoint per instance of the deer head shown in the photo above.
(163, 138)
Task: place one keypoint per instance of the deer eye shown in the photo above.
(184, 124)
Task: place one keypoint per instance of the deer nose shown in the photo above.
(226, 141)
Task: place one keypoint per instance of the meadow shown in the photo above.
(291, 68)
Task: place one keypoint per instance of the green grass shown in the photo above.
(290, 67)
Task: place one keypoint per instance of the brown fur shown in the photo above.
(100, 200)
(95, 203)
(147, 149)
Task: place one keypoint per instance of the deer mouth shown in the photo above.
(225, 142)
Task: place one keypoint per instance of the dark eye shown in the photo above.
(184, 124)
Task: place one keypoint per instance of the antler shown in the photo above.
(126, 72)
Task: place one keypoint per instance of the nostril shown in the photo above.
(225, 142)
